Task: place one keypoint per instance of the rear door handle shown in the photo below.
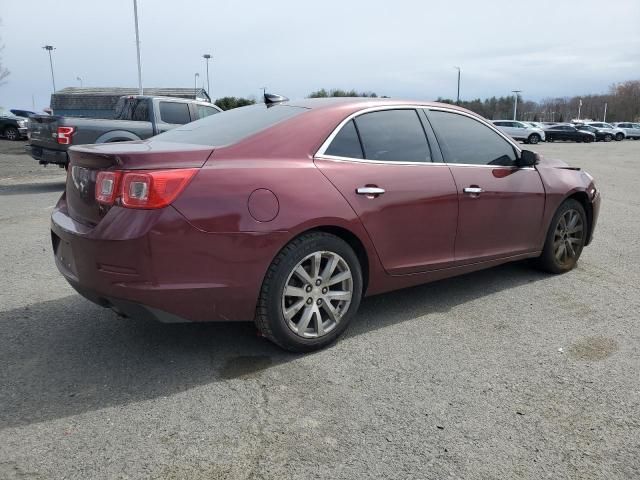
(369, 191)
(475, 190)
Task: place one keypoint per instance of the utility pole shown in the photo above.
(53, 80)
(207, 57)
(515, 103)
(135, 16)
(579, 108)
(604, 117)
(458, 96)
(195, 85)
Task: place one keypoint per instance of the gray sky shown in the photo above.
(400, 48)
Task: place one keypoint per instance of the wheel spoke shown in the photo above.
(290, 312)
(331, 311)
(576, 229)
(560, 251)
(316, 260)
(338, 295)
(291, 291)
(329, 268)
(340, 277)
(305, 319)
(573, 220)
(570, 250)
(303, 275)
(319, 325)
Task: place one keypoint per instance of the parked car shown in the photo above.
(631, 130)
(136, 118)
(22, 113)
(601, 135)
(520, 131)
(536, 125)
(290, 213)
(568, 132)
(12, 127)
(618, 133)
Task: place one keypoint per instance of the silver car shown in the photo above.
(520, 131)
(631, 130)
(617, 133)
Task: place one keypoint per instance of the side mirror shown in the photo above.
(528, 159)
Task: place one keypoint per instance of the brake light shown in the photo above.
(107, 184)
(64, 135)
(146, 189)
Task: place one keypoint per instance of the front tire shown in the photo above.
(619, 137)
(310, 293)
(534, 138)
(608, 137)
(565, 239)
(11, 133)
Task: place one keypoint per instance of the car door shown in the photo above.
(385, 167)
(500, 205)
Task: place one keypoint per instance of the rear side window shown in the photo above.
(174, 112)
(467, 141)
(346, 143)
(393, 135)
(231, 126)
(132, 109)
(204, 111)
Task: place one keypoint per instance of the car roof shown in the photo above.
(361, 103)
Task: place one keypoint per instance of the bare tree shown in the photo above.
(4, 72)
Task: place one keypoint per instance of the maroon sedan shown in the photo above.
(289, 214)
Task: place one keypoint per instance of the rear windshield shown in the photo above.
(230, 127)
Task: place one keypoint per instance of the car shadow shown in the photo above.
(26, 188)
(67, 356)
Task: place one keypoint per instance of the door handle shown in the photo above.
(474, 190)
(369, 191)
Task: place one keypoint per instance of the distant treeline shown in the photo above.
(623, 104)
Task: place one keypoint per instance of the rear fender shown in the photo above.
(117, 136)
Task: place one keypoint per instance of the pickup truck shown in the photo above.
(136, 117)
(12, 127)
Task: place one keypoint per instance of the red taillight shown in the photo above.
(64, 135)
(107, 184)
(142, 189)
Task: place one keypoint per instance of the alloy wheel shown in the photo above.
(11, 134)
(317, 294)
(567, 240)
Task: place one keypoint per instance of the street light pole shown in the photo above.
(53, 79)
(135, 16)
(604, 117)
(207, 57)
(579, 108)
(195, 85)
(458, 96)
(515, 103)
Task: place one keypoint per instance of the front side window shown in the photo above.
(174, 112)
(346, 143)
(393, 135)
(467, 141)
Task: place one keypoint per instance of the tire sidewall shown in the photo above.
(279, 327)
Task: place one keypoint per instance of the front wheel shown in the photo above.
(608, 137)
(619, 136)
(534, 138)
(11, 133)
(310, 293)
(565, 239)
(588, 139)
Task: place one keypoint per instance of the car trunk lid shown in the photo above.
(88, 160)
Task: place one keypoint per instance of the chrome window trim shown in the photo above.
(320, 153)
(334, 158)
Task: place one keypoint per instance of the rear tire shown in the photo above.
(608, 137)
(11, 133)
(619, 137)
(299, 308)
(588, 139)
(565, 239)
(533, 139)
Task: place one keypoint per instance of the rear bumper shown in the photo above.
(47, 155)
(155, 264)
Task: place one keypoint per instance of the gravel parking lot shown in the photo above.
(506, 373)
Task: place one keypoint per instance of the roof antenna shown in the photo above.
(272, 99)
